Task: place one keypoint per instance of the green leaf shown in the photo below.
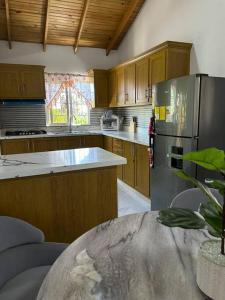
(217, 184)
(211, 159)
(203, 188)
(179, 217)
(212, 217)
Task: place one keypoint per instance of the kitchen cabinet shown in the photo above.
(14, 146)
(92, 141)
(9, 84)
(129, 82)
(129, 168)
(22, 82)
(112, 88)
(33, 85)
(120, 87)
(136, 172)
(142, 81)
(136, 77)
(44, 144)
(118, 149)
(100, 82)
(69, 142)
(142, 172)
(108, 143)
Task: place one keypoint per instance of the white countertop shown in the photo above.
(139, 138)
(31, 164)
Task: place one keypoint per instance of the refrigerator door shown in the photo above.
(212, 118)
(176, 105)
(165, 185)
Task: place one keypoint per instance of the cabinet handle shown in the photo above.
(146, 93)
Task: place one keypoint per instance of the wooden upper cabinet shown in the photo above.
(33, 85)
(112, 88)
(100, 81)
(129, 84)
(142, 81)
(165, 61)
(120, 87)
(157, 67)
(9, 83)
(22, 82)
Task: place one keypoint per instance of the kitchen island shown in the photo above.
(64, 193)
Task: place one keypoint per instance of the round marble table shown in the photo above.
(129, 258)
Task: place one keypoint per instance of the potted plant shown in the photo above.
(210, 216)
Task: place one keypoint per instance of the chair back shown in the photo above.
(192, 198)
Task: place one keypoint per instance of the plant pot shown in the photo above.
(211, 270)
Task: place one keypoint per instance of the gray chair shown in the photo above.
(25, 259)
(192, 198)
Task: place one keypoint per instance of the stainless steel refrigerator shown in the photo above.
(189, 116)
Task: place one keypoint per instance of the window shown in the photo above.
(69, 99)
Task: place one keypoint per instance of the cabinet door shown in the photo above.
(142, 174)
(44, 144)
(142, 81)
(15, 146)
(32, 81)
(69, 142)
(108, 143)
(9, 84)
(157, 68)
(128, 169)
(129, 81)
(101, 88)
(92, 141)
(120, 87)
(112, 88)
(118, 149)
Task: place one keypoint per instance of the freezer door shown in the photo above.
(165, 185)
(176, 105)
(212, 118)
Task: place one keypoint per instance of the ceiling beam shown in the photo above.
(46, 25)
(8, 23)
(81, 24)
(122, 25)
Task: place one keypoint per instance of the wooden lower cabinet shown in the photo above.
(27, 145)
(118, 149)
(63, 205)
(129, 168)
(14, 146)
(136, 172)
(69, 142)
(108, 143)
(92, 141)
(44, 144)
(142, 172)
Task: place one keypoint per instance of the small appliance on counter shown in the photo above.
(109, 121)
(133, 125)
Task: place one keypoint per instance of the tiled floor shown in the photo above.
(130, 201)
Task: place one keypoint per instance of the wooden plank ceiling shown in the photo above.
(77, 23)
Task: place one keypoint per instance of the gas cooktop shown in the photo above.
(24, 132)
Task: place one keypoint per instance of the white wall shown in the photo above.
(57, 58)
(201, 22)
